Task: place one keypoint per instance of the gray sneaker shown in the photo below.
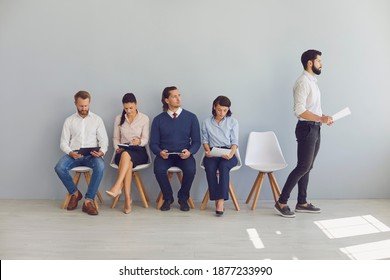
(284, 212)
(309, 208)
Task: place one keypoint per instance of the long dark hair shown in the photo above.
(222, 101)
(165, 94)
(127, 98)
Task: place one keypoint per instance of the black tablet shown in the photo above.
(87, 151)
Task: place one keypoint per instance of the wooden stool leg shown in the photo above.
(160, 200)
(253, 189)
(274, 186)
(66, 201)
(76, 178)
(258, 188)
(179, 177)
(205, 200)
(96, 204)
(234, 197)
(139, 184)
(144, 191)
(115, 201)
(100, 197)
(191, 203)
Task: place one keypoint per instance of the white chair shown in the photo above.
(231, 189)
(173, 170)
(138, 181)
(86, 171)
(263, 154)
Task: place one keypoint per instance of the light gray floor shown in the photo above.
(39, 229)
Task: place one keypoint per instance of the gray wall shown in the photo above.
(248, 50)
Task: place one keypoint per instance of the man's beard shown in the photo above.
(83, 113)
(316, 70)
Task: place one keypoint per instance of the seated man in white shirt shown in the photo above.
(82, 129)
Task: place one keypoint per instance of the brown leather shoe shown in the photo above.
(89, 208)
(74, 200)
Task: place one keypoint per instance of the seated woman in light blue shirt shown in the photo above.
(219, 130)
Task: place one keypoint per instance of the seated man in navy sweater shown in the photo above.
(174, 138)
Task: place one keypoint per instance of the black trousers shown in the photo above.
(308, 136)
(188, 166)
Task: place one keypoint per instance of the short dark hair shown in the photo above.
(165, 94)
(83, 95)
(222, 101)
(127, 98)
(309, 55)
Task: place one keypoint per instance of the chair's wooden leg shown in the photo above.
(205, 200)
(234, 197)
(258, 189)
(100, 197)
(191, 203)
(66, 201)
(96, 203)
(274, 186)
(160, 200)
(179, 177)
(87, 177)
(145, 193)
(115, 201)
(76, 178)
(143, 189)
(138, 183)
(253, 189)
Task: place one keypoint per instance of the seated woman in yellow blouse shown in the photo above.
(131, 127)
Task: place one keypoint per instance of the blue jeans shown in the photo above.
(218, 189)
(308, 137)
(188, 167)
(66, 163)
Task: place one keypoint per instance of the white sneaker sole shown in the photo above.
(308, 211)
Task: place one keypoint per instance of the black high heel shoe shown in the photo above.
(217, 212)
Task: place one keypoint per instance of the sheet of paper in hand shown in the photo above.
(219, 152)
(341, 114)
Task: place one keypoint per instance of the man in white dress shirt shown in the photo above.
(82, 129)
(307, 108)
